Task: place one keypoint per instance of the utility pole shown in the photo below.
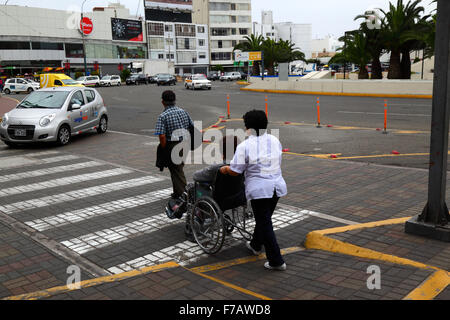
(434, 222)
(82, 36)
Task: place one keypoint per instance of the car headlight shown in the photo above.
(45, 120)
(4, 120)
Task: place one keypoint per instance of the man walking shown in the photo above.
(173, 118)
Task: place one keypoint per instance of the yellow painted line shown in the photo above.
(385, 155)
(93, 282)
(232, 286)
(318, 156)
(410, 96)
(428, 290)
(239, 261)
(431, 287)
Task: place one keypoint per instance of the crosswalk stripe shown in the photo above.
(43, 172)
(188, 252)
(97, 210)
(62, 181)
(36, 161)
(107, 237)
(76, 195)
(41, 153)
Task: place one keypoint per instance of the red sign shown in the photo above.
(120, 67)
(96, 66)
(86, 26)
(67, 65)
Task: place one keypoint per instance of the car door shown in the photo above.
(11, 85)
(78, 118)
(92, 107)
(21, 85)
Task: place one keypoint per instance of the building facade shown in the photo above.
(229, 22)
(32, 39)
(299, 34)
(173, 37)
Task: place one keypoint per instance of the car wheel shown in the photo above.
(103, 125)
(30, 90)
(209, 88)
(63, 135)
(7, 91)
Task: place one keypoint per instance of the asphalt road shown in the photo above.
(354, 120)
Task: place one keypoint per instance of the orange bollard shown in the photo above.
(385, 117)
(267, 108)
(228, 106)
(318, 113)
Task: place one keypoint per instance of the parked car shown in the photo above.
(136, 79)
(152, 79)
(18, 85)
(108, 81)
(243, 75)
(213, 76)
(89, 81)
(230, 76)
(49, 80)
(54, 114)
(165, 79)
(197, 81)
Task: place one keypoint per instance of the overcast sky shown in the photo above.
(326, 16)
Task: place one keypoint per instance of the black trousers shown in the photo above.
(264, 234)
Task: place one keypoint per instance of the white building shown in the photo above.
(185, 44)
(329, 44)
(299, 34)
(32, 39)
(229, 22)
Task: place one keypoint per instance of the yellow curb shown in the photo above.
(230, 285)
(385, 155)
(431, 287)
(243, 83)
(318, 156)
(410, 96)
(92, 282)
(428, 290)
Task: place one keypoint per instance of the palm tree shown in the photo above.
(251, 43)
(356, 50)
(397, 22)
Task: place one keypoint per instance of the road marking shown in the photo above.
(187, 252)
(18, 161)
(62, 182)
(384, 156)
(391, 114)
(43, 172)
(76, 195)
(317, 156)
(79, 215)
(92, 282)
(428, 290)
(42, 161)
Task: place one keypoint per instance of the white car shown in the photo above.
(230, 76)
(197, 81)
(20, 85)
(89, 81)
(108, 81)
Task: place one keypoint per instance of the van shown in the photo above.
(49, 80)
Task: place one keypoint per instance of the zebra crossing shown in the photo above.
(117, 207)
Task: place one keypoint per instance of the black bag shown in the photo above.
(193, 132)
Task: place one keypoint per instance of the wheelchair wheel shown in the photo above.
(207, 225)
(245, 222)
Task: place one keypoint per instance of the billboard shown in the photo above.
(248, 56)
(127, 30)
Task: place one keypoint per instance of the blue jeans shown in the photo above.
(264, 234)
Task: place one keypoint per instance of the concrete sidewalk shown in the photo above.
(350, 219)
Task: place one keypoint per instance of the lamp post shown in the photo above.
(82, 36)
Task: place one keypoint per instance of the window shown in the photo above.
(233, 19)
(219, 6)
(11, 81)
(155, 29)
(90, 95)
(14, 45)
(201, 42)
(233, 6)
(242, 19)
(74, 50)
(184, 30)
(220, 19)
(243, 31)
(200, 29)
(219, 44)
(186, 57)
(57, 83)
(156, 43)
(47, 46)
(202, 55)
(169, 42)
(215, 56)
(20, 81)
(170, 56)
(243, 6)
(161, 56)
(233, 31)
(233, 43)
(168, 28)
(186, 43)
(220, 31)
(77, 98)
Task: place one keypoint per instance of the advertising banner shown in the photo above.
(127, 30)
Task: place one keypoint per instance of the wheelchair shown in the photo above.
(215, 211)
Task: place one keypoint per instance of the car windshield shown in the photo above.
(228, 74)
(68, 82)
(106, 78)
(199, 78)
(44, 100)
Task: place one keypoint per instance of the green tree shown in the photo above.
(398, 22)
(251, 43)
(125, 74)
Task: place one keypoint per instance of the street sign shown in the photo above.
(86, 26)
